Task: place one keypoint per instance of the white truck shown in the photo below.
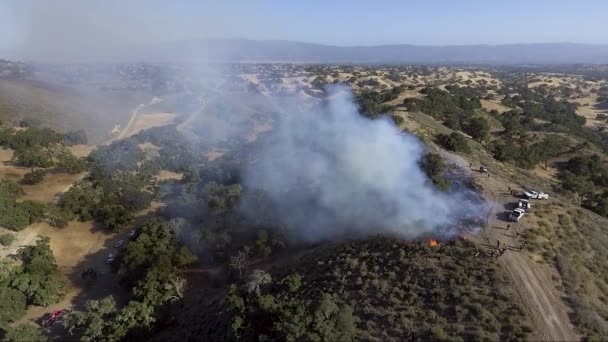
(536, 194)
(524, 204)
(517, 214)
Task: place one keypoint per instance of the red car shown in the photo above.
(52, 317)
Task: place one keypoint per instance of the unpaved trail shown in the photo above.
(532, 281)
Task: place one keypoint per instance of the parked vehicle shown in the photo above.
(131, 234)
(536, 194)
(120, 243)
(524, 204)
(517, 214)
(52, 317)
(110, 258)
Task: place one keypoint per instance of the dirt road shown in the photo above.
(533, 281)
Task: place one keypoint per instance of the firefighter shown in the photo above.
(508, 227)
(497, 243)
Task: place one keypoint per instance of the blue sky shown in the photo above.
(25, 23)
(433, 22)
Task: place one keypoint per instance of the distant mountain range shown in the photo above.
(243, 50)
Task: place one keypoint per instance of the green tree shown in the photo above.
(12, 303)
(7, 239)
(33, 177)
(57, 217)
(32, 157)
(40, 281)
(293, 282)
(332, 322)
(24, 332)
(10, 189)
(454, 142)
(95, 322)
(262, 244)
(115, 216)
(479, 128)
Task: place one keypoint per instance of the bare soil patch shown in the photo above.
(150, 150)
(80, 151)
(258, 128)
(494, 105)
(7, 169)
(215, 153)
(52, 185)
(165, 175)
(588, 109)
(145, 121)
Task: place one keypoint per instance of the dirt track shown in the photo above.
(532, 280)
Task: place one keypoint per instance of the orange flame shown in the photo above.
(432, 242)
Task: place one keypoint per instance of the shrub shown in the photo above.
(454, 142)
(33, 177)
(6, 239)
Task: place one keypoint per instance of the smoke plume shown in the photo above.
(331, 172)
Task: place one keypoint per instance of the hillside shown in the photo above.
(62, 108)
(306, 212)
(381, 289)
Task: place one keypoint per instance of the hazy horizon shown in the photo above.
(68, 28)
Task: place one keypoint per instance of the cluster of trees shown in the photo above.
(280, 315)
(587, 176)
(174, 154)
(16, 215)
(528, 155)
(121, 179)
(42, 147)
(372, 103)
(455, 108)
(33, 177)
(35, 281)
(433, 165)
(111, 200)
(454, 142)
(150, 266)
(551, 115)
(402, 291)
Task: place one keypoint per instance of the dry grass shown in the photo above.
(258, 128)
(81, 150)
(52, 185)
(215, 153)
(7, 169)
(588, 110)
(145, 121)
(494, 105)
(166, 175)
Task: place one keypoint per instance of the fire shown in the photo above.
(432, 242)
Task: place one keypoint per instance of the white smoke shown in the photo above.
(331, 172)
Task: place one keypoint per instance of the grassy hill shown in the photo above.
(66, 109)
